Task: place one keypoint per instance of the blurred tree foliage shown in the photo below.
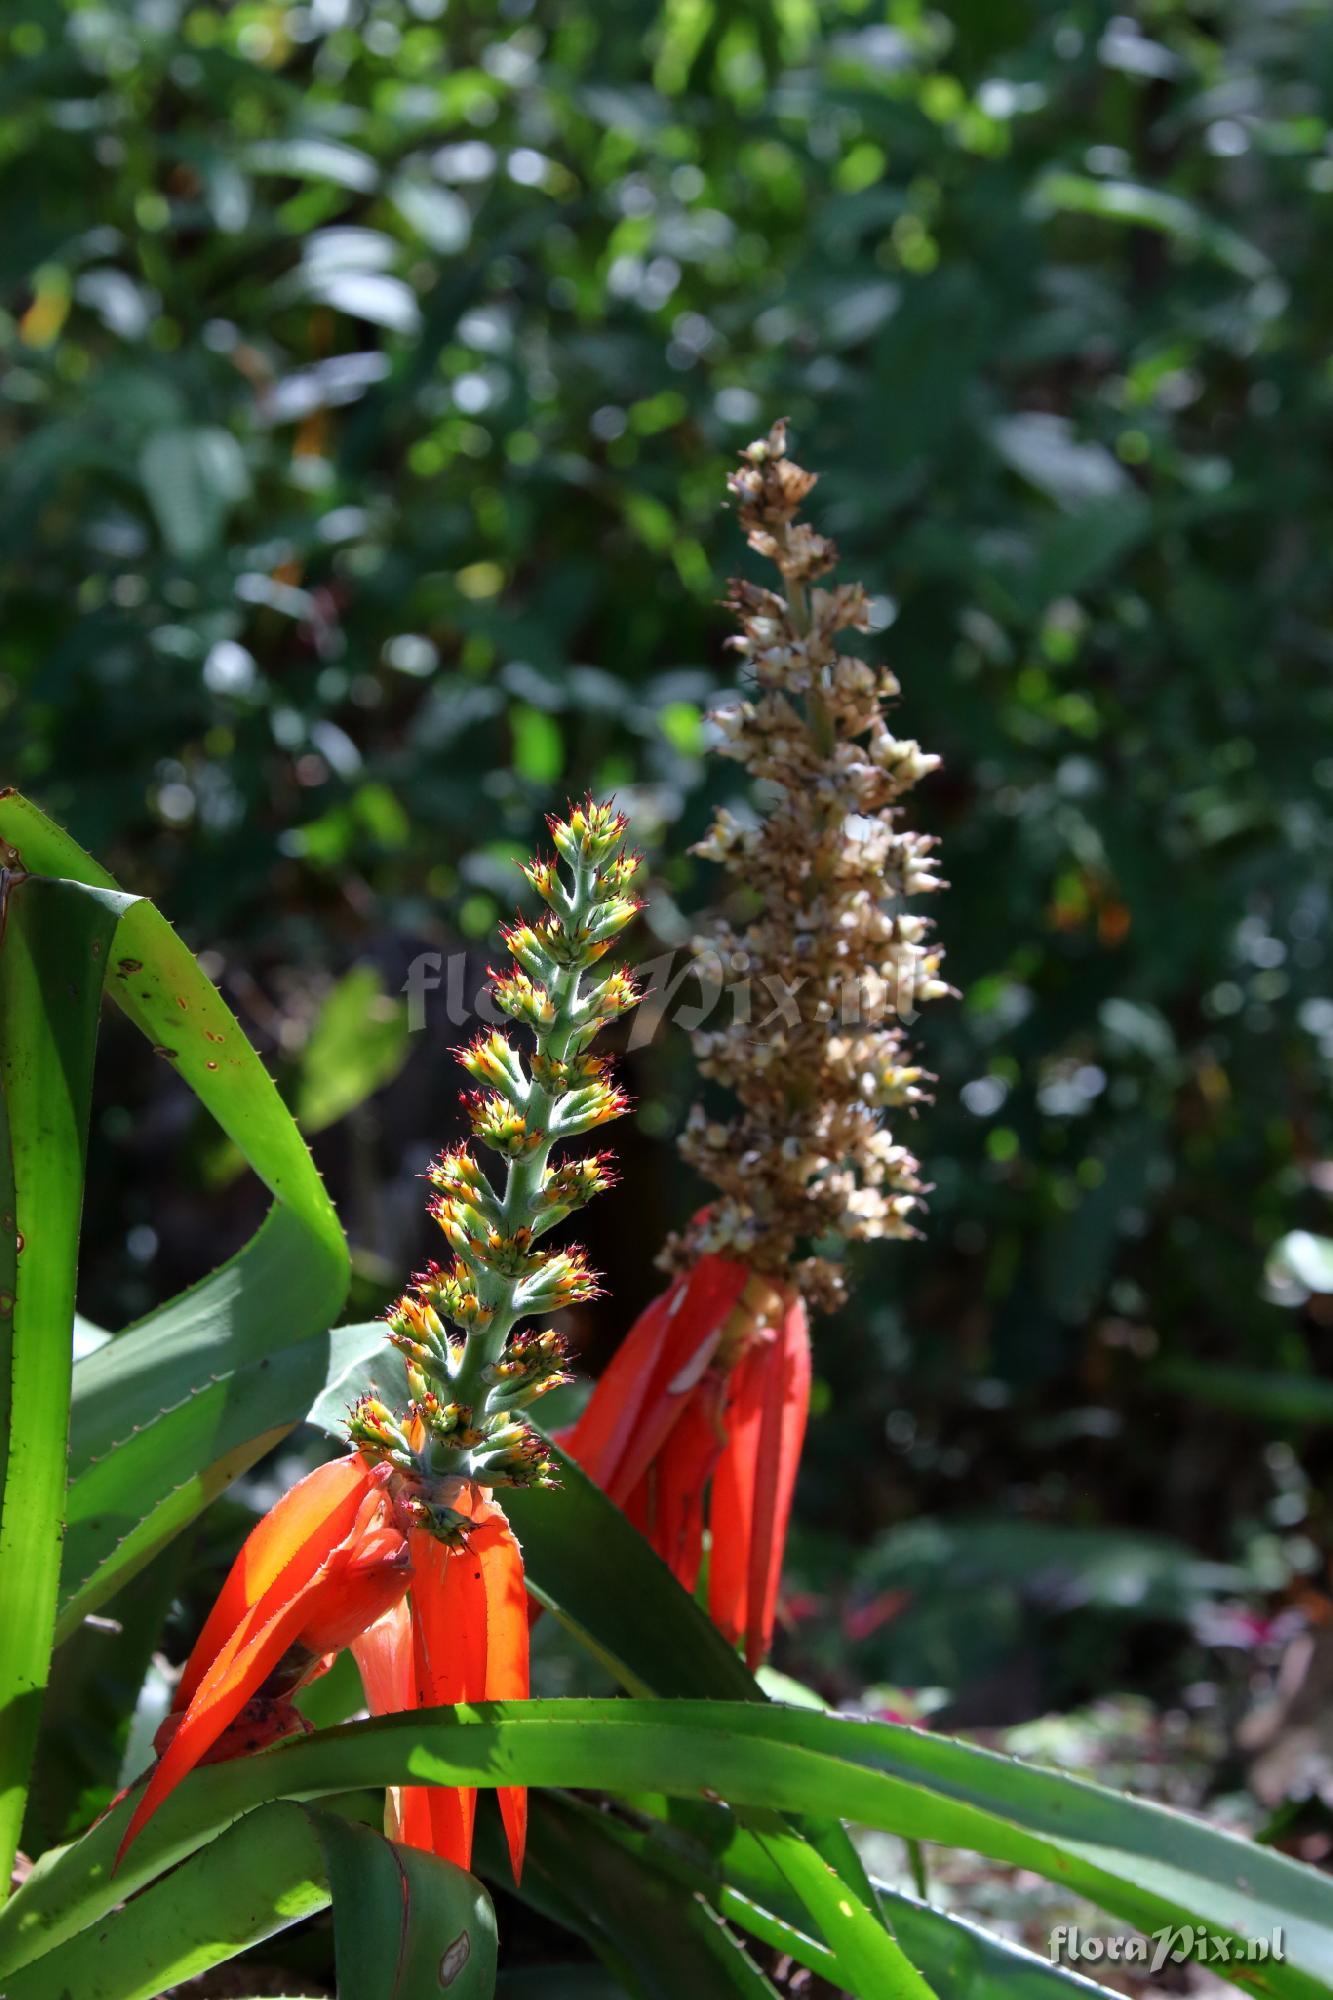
(372, 368)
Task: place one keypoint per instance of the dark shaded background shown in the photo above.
(371, 373)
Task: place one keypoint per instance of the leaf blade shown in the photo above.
(52, 962)
(167, 1413)
(1145, 1863)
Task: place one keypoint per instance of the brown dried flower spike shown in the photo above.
(833, 961)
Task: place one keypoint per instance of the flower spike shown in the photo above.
(805, 1161)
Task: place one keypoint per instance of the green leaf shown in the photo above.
(168, 1413)
(1061, 191)
(1045, 450)
(260, 1876)
(1145, 1863)
(402, 1918)
(406, 1923)
(655, 1936)
(104, 1703)
(707, 1848)
(539, 747)
(853, 1950)
(1261, 1394)
(193, 478)
(314, 159)
(52, 959)
(441, 218)
(358, 1044)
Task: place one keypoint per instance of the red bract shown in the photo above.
(328, 1567)
(322, 1565)
(462, 1635)
(701, 1416)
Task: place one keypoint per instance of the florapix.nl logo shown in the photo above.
(691, 989)
(1174, 1944)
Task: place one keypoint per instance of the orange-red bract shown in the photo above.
(324, 1563)
(328, 1567)
(461, 1636)
(701, 1416)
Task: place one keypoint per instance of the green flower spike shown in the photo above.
(471, 1368)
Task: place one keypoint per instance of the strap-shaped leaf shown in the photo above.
(656, 1936)
(619, 1904)
(1145, 1863)
(171, 1411)
(734, 1866)
(405, 1923)
(53, 951)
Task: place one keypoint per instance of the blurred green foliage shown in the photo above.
(372, 369)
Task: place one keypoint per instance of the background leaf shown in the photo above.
(193, 478)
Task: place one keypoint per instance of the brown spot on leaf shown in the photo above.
(170, 1054)
(125, 966)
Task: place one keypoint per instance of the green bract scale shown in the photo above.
(472, 1369)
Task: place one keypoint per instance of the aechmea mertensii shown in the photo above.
(701, 1415)
(400, 1550)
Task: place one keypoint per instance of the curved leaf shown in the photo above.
(614, 1904)
(656, 1936)
(52, 960)
(709, 1849)
(405, 1923)
(1145, 1863)
(261, 1875)
(165, 1415)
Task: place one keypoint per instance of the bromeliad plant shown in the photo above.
(399, 1550)
(715, 1859)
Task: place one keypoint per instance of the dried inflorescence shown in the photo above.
(832, 961)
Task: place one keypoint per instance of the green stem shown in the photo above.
(525, 1176)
